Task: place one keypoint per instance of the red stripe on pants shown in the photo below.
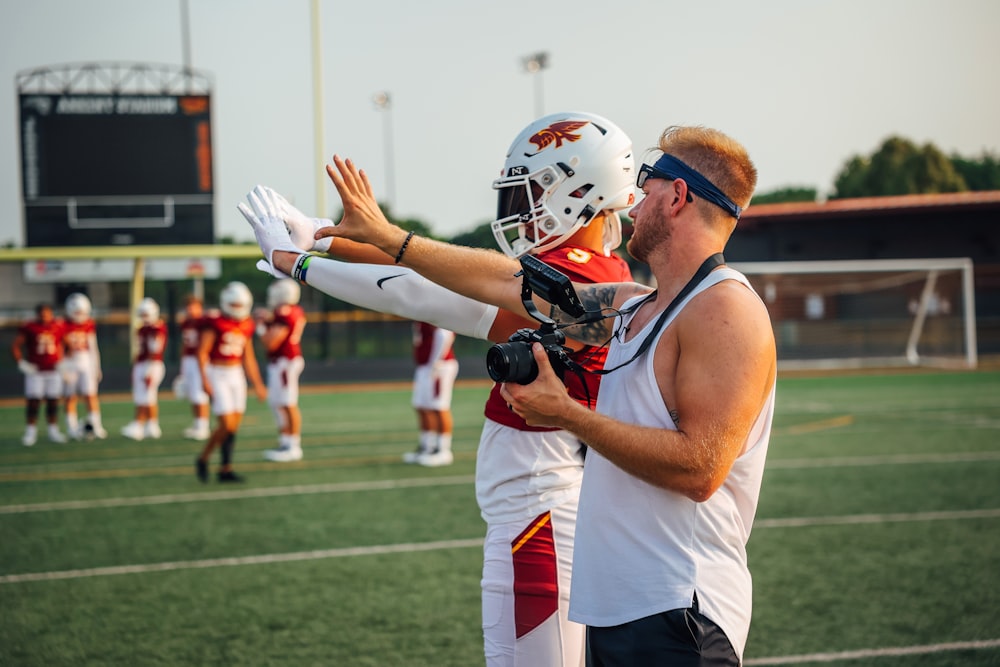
(536, 578)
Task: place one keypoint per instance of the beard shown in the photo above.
(651, 234)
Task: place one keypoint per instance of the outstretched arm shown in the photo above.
(479, 274)
(393, 289)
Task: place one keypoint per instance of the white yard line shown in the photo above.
(261, 559)
(888, 459)
(864, 654)
(776, 464)
(449, 544)
(855, 519)
(300, 489)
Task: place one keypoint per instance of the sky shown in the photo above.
(803, 84)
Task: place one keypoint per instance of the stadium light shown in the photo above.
(383, 103)
(534, 64)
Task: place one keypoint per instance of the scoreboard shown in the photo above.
(116, 169)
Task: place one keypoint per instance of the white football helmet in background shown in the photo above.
(78, 307)
(236, 301)
(560, 172)
(148, 311)
(283, 292)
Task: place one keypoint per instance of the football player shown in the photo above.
(187, 385)
(226, 359)
(433, 382)
(280, 329)
(565, 178)
(147, 372)
(38, 349)
(82, 368)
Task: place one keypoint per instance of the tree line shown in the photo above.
(900, 167)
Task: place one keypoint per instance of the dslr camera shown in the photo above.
(513, 361)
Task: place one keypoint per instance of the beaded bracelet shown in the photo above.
(402, 248)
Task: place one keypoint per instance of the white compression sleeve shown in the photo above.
(403, 292)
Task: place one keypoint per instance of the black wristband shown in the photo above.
(402, 248)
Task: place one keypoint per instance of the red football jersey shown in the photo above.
(78, 335)
(43, 342)
(581, 266)
(231, 338)
(294, 318)
(191, 335)
(423, 344)
(152, 341)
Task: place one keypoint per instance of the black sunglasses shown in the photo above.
(648, 171)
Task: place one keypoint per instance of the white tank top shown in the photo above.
(640, 549)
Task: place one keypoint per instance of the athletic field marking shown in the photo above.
(187, 470)
(888, 459)
(863, 654)
(816, 426)
(298, 489)
(264, 559)
(444, 544)
(856, 519)
(343, 462)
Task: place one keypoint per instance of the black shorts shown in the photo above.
(678, 638)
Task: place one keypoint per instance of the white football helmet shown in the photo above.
(148, 311)
(283, 292)
(78, 307)
(560, 172)
(236, 300)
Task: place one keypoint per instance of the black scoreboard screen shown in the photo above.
(116, 169)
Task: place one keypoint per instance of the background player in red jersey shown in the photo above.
(226, 359)
(187, 385)
(280, 329)
(433, 382)
(81, 369)
(147, 372)
(38, 349)
(564, 180)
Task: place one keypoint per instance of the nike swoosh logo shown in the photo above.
(382, 280)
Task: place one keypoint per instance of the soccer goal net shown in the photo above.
(869, 313)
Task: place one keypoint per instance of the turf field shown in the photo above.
(877, 540)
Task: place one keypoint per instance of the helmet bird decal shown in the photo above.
(557, 133)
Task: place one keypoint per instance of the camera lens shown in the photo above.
(511, 362)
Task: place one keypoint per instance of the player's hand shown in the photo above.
(301, 228)
(27, 367)
(363, 220)
(543, 402)
(261, 392)
(267, 224)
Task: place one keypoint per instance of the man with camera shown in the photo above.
(679, 437)
(527, 477)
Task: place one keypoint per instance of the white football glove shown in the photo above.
(27, 367)
(268, 226)
(301, 228)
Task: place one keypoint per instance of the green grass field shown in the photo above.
(877, 540)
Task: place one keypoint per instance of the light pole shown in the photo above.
(383, 103)
(534, 64)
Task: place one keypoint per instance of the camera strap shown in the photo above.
(706, 267)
